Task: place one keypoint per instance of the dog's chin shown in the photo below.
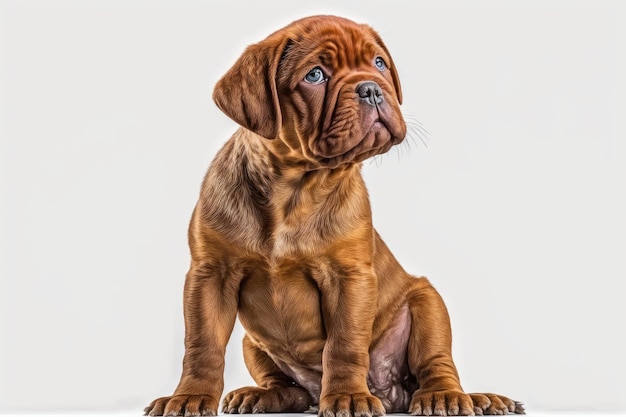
(377, 140)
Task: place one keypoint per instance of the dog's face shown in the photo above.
(324, 86)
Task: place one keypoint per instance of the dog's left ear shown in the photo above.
(247, 92)
(391, 66)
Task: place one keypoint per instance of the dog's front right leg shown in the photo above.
(210, 309)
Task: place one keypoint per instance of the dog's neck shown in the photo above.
(300, 210)
(292, 184)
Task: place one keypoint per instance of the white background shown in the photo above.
(515, 210)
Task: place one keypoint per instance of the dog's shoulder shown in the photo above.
(236, 190)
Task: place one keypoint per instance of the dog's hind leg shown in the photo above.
(275, 393)
(430, 361)
(430, 356)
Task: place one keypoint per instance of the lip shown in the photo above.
(381, 132)
(357, 157)
(363, 150)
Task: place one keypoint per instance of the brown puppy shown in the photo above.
(282, 235)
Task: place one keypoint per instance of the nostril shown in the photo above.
(370, 92)
(364, 90)
(367, 88)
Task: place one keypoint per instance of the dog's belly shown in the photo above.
(280, 311)
(282, 316)
(389, 378)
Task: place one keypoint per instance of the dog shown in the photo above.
(282, 237)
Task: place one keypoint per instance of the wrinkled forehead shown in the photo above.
(331, 45)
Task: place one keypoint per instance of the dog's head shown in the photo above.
(325, 87)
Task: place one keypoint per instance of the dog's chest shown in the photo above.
(309, 226)
(280, 309)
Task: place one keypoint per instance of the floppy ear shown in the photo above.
(391, 65)
(247, 92)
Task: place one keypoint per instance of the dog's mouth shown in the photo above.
(363, 120)
(379, 137)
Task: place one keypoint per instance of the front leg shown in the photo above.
(210, 309)
(349, 297)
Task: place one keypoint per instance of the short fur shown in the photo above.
(282, 236)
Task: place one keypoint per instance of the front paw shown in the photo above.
(441, 403)
(495, 404)
(261, 400)
(346, 405)
(183, 405)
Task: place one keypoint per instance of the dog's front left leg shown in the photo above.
(348, 306)
(210, 310)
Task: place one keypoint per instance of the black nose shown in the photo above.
(370, 92)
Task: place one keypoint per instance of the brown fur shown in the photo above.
(282, 235)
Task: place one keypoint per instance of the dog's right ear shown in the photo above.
(247, 92)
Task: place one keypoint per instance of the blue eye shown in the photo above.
(380, 63)
(315, 76)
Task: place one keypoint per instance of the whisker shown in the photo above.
(415, 131)
(417, 125)
(416, 121)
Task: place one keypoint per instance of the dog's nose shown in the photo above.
(370, 92)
